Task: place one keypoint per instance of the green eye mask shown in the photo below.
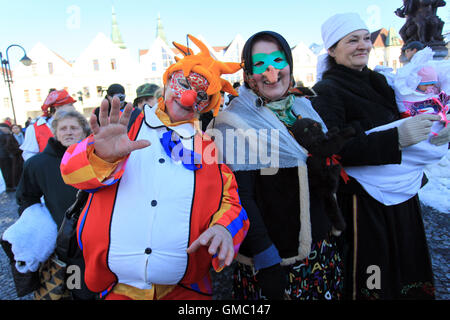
(261, 61)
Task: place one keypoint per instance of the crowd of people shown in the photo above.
(177, 187)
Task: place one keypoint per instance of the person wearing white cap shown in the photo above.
(385, 249)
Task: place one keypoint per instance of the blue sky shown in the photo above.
(68, 26)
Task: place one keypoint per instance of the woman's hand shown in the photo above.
(416, 129)
(111, 141)
(442, 138)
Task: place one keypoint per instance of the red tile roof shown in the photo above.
(379, 37)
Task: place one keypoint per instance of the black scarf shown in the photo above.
(368, 84)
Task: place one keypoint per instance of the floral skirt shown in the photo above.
(318, 277)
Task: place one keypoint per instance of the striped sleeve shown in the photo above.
(231, 214)
(82, 169)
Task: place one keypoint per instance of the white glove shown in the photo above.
(442, 138)
(415, 129)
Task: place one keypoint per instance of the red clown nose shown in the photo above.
(188, 98)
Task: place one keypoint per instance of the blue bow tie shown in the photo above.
(176, 151)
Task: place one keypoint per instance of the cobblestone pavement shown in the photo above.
(437, 227)
(8, 215)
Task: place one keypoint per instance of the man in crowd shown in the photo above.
(412, 48)
(161, 213)
(145, 94)
(37, 134)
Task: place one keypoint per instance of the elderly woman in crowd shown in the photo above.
(386, 254)
(41, 175)
(289, 251)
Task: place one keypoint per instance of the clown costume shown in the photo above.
(153, 212)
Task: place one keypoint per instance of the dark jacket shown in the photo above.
(11, 161)
(3, 138)
(389, 237)
(42, 177)
(272, 204)
(363, 100)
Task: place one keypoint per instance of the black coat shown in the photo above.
(362, 100)
(389, 237)
(3, 143)
(42, 177)
(272, 204)
(11, 161)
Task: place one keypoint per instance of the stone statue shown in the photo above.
(422, 24)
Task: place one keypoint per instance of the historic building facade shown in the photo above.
(107, 60)
(387, 48)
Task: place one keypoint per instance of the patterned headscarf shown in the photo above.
(248, 61)
(56, 98)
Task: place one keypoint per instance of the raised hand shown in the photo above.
(111, 140)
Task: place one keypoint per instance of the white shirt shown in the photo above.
(30, 146)
(151, 220)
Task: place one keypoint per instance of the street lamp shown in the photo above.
(7, 75)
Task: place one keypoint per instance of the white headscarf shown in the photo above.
(334, 29)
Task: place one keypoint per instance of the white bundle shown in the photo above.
(407, 79)
(32, 237)
(395, 183)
